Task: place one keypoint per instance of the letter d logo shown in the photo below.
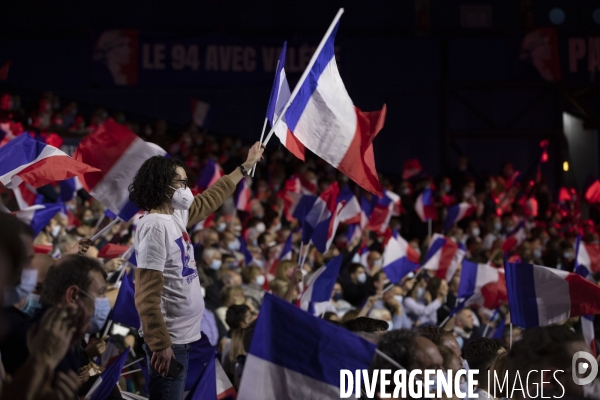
(581, 368)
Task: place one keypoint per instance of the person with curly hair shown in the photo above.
(168, 296)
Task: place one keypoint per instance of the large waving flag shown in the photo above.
(323, 218)
(399, 259)
(37, 217)
(287, 363)
(108, 379)
(424, 206)
(243, 195)
(280, 95)
(443, 256)
(124, 311)
(27, 160)
(320, 285)
(458, 212)
(118, 154)
(540, 296)
(381, 212)
(321, 116)
(587, 260)
(210, 174)
(482, 285)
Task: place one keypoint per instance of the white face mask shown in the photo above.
(234, 245)
(260, 280)
(399, 299)
(215, 264)
(260, 227)
(101, 311)
(182, 198)
(356, 259)
(362, 278)
(377, 263)
(55, 230)
(222, 226)
(14, 294)
(475, 232)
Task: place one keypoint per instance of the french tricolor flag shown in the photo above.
(320, 285)
(587, 261)
(399, 259)
(243, 195)
(286, 254)
(248, 257)
(210, 174)
(27, 160)
(322, 116)
(352, 212)
(27, 196)
(514, 238)
(458, 212)
(382, 212)
(424, 206)
(69, 188)
(356, 230)
(324, 218)
(481, 285)
(540, 296)
(443, 256)
(285, 362)
(118, 154)
(38, 216)
(280, 95)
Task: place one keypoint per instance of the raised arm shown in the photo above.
(208, 202)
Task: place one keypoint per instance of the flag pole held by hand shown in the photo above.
(105, 229)
(262, 135)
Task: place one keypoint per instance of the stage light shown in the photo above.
(566, 166)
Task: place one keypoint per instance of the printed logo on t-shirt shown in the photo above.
(185, 246)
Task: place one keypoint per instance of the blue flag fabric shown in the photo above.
(110, 377)
(200, 353)
(124, 311)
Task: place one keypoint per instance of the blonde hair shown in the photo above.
(283, 270)
(228, 293)
(279, 287)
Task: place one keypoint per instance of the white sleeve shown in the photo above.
(419, 309)
(151, 250)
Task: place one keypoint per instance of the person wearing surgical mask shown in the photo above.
(424, 311)
(337, 299)
(253, 280)
(77, 282)
(229, 242)
(166, 273)
(41, 263)
(374, 261)
(494, 227)
(211, 265)
(355, 283)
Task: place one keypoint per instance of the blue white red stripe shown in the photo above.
(243, 195)
(514, 238)
(424, 206)
(323, 218)
(324, 119)
(280, 95)
(482, 285)
(399, 259)
(291, 363)
(540, 296)
(210, 174)
(456, 213)
(118, 154)
(382, 211)
(320, 284)
(38, 216)
(27, 160)
(69, 188)
(443, 256)
(27, 196)
(587, 259)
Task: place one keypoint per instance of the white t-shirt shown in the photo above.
(161, 243)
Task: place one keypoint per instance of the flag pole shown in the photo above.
(105, 229)
(444, 322)
(262, 135)
(305, 73)
(99, 221)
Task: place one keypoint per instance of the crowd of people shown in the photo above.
(56, 305)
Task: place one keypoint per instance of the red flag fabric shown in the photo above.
(112, 251)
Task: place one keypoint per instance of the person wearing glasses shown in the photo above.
(168, 296)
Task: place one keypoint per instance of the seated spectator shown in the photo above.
(479, 354)
(284, 270)
(229, 296)
(227, 278)
(252, 282)
(338, 301)
(383, 315)
(441, 337)
(238, 317)
(355, 285)
(41, 263)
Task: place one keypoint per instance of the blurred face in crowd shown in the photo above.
(211, 238)
(450, 342)
(229, 241)
(427, 355)
(381, 281)
(465, 320)
(213, 259)
(357, 276)
(337, 293)
(374, 260)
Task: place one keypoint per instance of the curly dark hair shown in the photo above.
(150, 187)
(399, 345)
(433, 333)
(365, 324)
